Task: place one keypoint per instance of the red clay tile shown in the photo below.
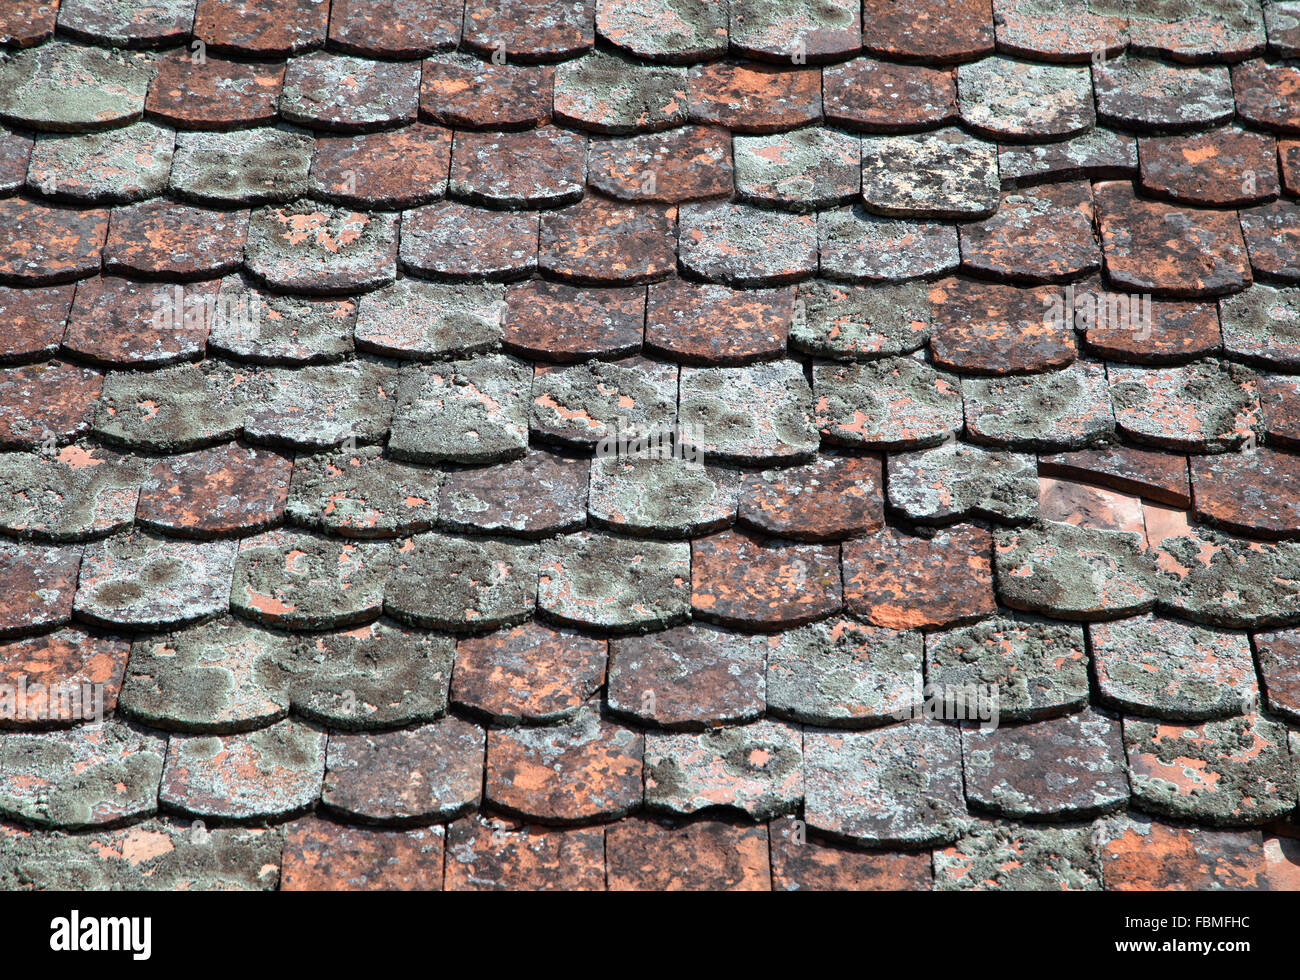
(1256, 494)
(15, 157)
(530, 674)
(467, 93)
(323, 856)
(754, 98)
(706, 856)
(418, 320)
(985, 328)
(1205, 30)
(310, 248)
(1100, 155)
(684, 164)
(857, 246)
(47, 403)
(38, 586)
(834, 497)
(530, 30)
(1121, 327)
(802, 32)
(1206, 258)
(350, 95)
(159, 238)
(904, 582)
(883, 97)
(540, 168)
(1268, 95)
(913, 30)
(40, 244)
(576, 772)
(1157, 476)
(1225, 167)
(533, 497)
(35, 321)
(293, 580)
(599, 241)
(491, 854)
(399, 168)
(1001, 856)
(173, 409)
(261, 29)
(395, 28)
(1272, 234)
(111, 167)
(415, 775)
(1283, 29)
(1039, 235)
(682, 319)
(451, 240)
(1084, 505)
(218, 492)
(1279, 666)
(669, 31)
(217, 94)
(799, 864)
(745, 246)
(47, 668)
(268, 774)
(118, 321)
(27, 22)
(1058, 30)
(785, 585)
(605, 93)
(556, 322)
(1279, 398)
(1141, 854)
(1282, 861)
(1056, 769)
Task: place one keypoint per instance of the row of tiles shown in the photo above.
(229, 676)
(1045, 234)
(911, 784)
(680, 31)
(52, 88)
(1125, 852)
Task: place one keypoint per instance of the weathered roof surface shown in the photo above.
(317, 321)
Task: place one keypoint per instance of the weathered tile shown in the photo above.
(688, 678)
(529, 674)
(956, 481)
(1060, 768)
(558, 322)
(576, 772)
(27, 22)
(1268, 95)
(298, 581)
(147, 583)
(1142, 93)
(753, 98)
(759, 413)
(1084, 505)
(1059, 30)
(111, 167)
(540, 168)
(415, 775)
(1070, 572)
(119, 23)
(1203, 407)
(884, 97)
(913, 30)
(82, 777)
(67, 87)
(268, 774)
(1279, 667)
(1100, 155)
(397, 168)
(492, 854)
(450, 240)
(944, 174)
(322, 405)
(803, 170)
(1141, 854)
(990, 328)
(344, 94)
(1207, 30)
(1020, 101)
(599, 402)
(997, 856)
(226, 491)
(742, 245)
(857, 246)
(247, 167)
(891, 403)
(673, 31)
(605, 93)
(1043, 234)
(251, 324)
(683, 164)
(1212, 578)
(833, 497)
(612, 583)
(1272, 234)
(904, 582)
(35, 320)
(1227, 167)
(1230, 772)
(465, 92)
(40, 244)
(395, 28)
(218, 94)
(895, 786)
(603, 242)
(799, 864)
(159, 238)
(701, 856)
(1157, 476)
(682, 322)
(1055, 410)
(530, 30)
(277, 27)
(661, 495)
(442, 581)
(801, 31)
(1282, 23)
(123, 322)
(218, 678)
(361, 494)
(65, 677)
(313, 248)
(1279, 400)
(533, 497)
(1125, 326)
(38, 586)
(424, 321)
(756, 769)
(470, 411)
(842, 674)
(1252, 493)
(77, 493)
(1040, 669)
(320, 855)
(174, 409)
(785, 584)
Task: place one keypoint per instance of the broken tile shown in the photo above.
(1100, 155)
(1083, 505)
(618, 584)
(1140, 472)
(442, 581)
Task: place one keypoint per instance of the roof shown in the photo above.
(603, 444)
